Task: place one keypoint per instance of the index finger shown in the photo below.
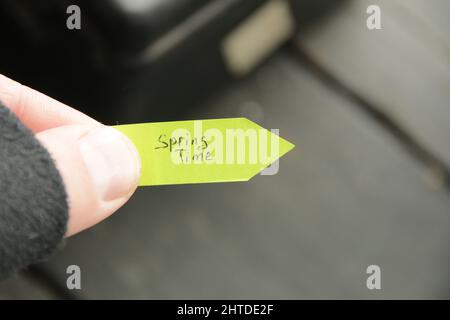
(36, 110)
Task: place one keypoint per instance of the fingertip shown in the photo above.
(100, 168)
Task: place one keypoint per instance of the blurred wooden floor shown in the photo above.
(351, 193)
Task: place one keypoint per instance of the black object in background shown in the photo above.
(113, 69)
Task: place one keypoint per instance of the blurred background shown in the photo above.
(369, 111)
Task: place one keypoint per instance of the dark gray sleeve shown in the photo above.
(33, 201)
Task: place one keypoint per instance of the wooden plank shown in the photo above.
(22, 287)
(403, 69)
(433, 15)
(346, 197)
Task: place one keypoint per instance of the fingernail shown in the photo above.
(112, 160)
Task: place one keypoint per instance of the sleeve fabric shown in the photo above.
(33, 200)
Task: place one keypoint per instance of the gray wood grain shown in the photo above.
(22, 287)
(404, 69)
(346, 197)
(433, 18)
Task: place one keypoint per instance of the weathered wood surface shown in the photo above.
(346, 197)
(404, 69)
(22, 287)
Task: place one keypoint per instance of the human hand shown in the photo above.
(100, 166)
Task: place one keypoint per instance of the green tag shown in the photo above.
(202, 151)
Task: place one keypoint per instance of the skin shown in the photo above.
(61, 129)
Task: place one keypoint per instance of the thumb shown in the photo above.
(100, 168)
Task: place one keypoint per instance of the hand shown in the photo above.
(99, 165)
